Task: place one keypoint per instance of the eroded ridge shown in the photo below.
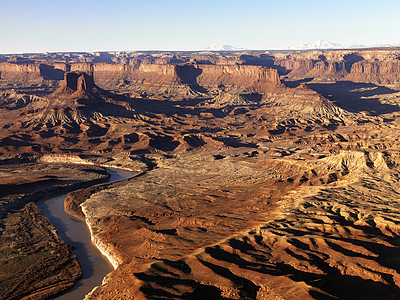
(334, 241)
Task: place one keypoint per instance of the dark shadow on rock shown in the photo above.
(188, 75)
(50, 72)
(194, 141)
(150, 162)
(247, 289)
(264, 60)
(235, 142)
(350, 59)
(163, 142)
(151, 107)
(166, 284)
(351, 96)
(296, 83)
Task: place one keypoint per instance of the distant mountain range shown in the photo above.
(322, 44)
(222, 47)
(318, 44)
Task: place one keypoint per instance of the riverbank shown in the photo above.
(77, 235)
(34, 261)
(34, 237)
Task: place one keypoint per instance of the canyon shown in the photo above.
(258, 174)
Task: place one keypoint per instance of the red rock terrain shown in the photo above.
(34, 262)
(267, 175)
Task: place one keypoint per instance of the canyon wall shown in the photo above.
(384, 72)
(31, 73)
(238, 76)
(20, 73)
(259, 71)
(380, 67)
(206, 76)
(112, 75)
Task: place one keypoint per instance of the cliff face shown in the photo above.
(381, 67)
(319, 69)
(206, 76)
(384, 72)
(238, 76)
(303, 65)
(111, 75)
(20, 73)
(208, 71)
(31, 73)
(83, 67)
(154, 74)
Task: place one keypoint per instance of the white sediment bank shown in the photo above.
(93, 255)
(116, 175)
(74, 159)
(101, 245)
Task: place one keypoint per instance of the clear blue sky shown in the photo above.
(98, 25)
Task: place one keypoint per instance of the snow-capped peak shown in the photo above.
(318, 44)
(222, 47)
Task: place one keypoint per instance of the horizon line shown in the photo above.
(206, 50)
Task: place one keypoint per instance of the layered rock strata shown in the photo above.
(362, 65)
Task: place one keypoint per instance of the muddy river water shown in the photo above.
(76, 233)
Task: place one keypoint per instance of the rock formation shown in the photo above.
(373, 66)
(77, 85)
(267, 175)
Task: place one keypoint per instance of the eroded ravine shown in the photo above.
(76, 233)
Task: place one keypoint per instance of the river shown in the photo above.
(76, 234)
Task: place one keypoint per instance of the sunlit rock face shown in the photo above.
(267, 175)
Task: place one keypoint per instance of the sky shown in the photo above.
(28, 26)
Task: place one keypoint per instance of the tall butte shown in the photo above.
(77, 85)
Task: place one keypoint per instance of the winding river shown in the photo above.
(76, 234)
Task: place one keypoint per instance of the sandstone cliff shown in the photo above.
(166, 71)
(31, 73)
(381, 67)
(239, 76)
(20, 73)
(383, 72)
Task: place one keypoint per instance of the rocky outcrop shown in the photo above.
(233, 99)
(317, 69)
(295, 65)
(152, 74)
(109, 75)
(77, 85)
(34, 262)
